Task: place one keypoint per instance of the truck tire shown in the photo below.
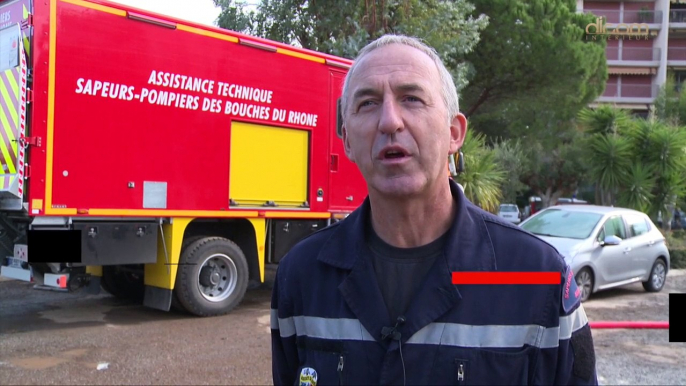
(175, 303)
(123, 284)
(212, 277)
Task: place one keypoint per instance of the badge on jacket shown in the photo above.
(572, 293)
(308, 377)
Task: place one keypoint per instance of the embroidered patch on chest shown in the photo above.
(308, 377)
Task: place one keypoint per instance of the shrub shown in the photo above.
(677, 258)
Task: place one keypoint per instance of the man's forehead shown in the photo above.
(395, 63)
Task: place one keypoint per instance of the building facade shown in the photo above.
(645, 41)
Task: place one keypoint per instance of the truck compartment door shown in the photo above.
(13, 71)
(269, 166)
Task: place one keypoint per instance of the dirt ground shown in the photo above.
(57, 338)
(637, 356)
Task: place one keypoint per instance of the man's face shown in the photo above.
(396, 126)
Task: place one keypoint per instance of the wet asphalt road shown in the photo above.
(58, 338)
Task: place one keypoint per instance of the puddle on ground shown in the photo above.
(46, 362)
(37, 363)
(70, 314)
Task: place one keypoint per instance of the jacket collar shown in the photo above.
(469, 246)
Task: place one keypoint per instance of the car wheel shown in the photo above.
(584, 280)
(658, 276)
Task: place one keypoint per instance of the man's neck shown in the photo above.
(413, 222)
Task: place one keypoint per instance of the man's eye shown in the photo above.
(366, 103)
(412, 99)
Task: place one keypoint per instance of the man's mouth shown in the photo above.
(394, 154)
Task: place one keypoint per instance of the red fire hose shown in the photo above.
(641, 324)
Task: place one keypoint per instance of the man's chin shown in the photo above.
(399, 187)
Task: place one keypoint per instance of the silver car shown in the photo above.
(605, 246)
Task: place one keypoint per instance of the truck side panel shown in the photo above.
(143, 115)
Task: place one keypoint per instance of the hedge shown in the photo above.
(678, 258)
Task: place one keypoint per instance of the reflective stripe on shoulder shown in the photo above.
(448, 334)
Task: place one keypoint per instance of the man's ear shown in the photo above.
(458, 131)
(346, 144)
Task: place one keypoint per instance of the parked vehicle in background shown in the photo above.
(535, 203)
(605, 246)
(510, 212)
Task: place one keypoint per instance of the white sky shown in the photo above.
(199, 11)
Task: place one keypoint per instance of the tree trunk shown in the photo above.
(546, 198)
(482, 98)
(555, 197)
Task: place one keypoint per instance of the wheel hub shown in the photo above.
(217, 278)
(209, 277)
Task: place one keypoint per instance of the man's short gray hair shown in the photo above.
(448, 90)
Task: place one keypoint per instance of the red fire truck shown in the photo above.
(159, 158)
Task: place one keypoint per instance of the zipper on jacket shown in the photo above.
(340, 369)
(461, 366)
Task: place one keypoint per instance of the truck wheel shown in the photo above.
(175, 303)
(123, 284)
(212, 277)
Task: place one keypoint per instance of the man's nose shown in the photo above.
(390, 120)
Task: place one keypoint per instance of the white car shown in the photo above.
(605, 246)
(509, 212)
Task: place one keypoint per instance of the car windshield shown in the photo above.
(562, 223)
(508, 208)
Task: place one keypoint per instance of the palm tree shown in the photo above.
(605, 119)
(661, 147)
(608, 153)
(636, 163)
(482, 176)
(609, 159)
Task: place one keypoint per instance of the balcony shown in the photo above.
(676, 56)
(629, 17)
(633, 56)
(677, 18)
(629, 93)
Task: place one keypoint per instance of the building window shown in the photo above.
(679, 78)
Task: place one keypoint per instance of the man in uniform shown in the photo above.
(370, 299)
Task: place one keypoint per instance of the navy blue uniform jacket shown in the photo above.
(328, 315)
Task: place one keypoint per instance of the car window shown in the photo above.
(613, 227)
(563, 223)
(637, 224)
(508, 208)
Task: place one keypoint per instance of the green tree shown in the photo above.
(482, 176)
(609, 153)
(553, 169)
(662, 148)
(636, 163)
(342, 28)
(510, 156)
(670, 103)
(533, 69)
